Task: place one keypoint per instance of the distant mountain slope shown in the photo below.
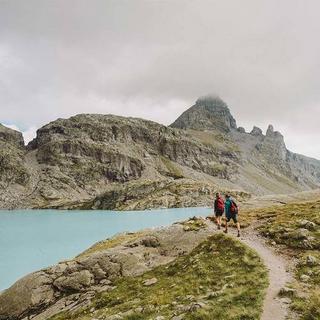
(265, 164)
(112, 162)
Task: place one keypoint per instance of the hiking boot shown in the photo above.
(219, 227)
(238, 234)
(225, 231)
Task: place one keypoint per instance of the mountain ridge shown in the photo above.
(113, 162)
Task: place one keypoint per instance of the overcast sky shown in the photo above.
(153, 59)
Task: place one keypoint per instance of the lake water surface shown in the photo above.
(34, 239)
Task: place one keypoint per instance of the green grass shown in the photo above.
(172, 169)
(284, 225)
(225, 277)
(111, 243)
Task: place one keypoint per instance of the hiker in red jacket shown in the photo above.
(218, 209)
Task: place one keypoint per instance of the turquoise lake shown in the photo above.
(34, 239)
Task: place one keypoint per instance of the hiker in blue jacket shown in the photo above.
(231, 210)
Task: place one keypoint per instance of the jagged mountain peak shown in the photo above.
(208, 113)
(274, 134)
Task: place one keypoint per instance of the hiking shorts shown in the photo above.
(218, 213)
(232, 216)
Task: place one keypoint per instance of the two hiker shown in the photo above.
(230, 208)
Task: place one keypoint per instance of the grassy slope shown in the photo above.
(225, 277)
(285, 226)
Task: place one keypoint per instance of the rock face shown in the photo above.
(77, 159)
(12, 161)
(11, 136)
(208, 113)
(72, 284)
(111, 162)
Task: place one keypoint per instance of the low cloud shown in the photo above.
(153, 59)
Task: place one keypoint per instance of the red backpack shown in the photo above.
(234, 207)
(220, 204)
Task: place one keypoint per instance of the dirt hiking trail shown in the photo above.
(273, 308)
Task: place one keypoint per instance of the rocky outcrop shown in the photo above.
(12, 165)
(209, 113)
(72, 284)
(157, 194)
(256, 132)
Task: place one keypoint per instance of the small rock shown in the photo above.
(307, 224)
(150, 282)
(179, 317)
(304, 278)
(311, 261)
(114, 317)
(159, 318)
(285, 300)
(200, 304)
(212, 294)
(300, 234)
(285, 291)
(307, 243)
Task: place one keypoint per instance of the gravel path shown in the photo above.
(278, 266)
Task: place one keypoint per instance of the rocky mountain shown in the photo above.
(111, 162)
(208, 113)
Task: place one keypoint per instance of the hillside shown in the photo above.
(181, 270)
(111, 162)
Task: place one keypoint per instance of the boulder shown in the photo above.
(74, 282)
(150, 282)
(307, 224)
(32, 292)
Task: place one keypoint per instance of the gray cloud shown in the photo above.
(152, 59)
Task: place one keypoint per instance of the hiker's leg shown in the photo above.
(219, 222)
(226, 226)
(236, 221)
(238, 224)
